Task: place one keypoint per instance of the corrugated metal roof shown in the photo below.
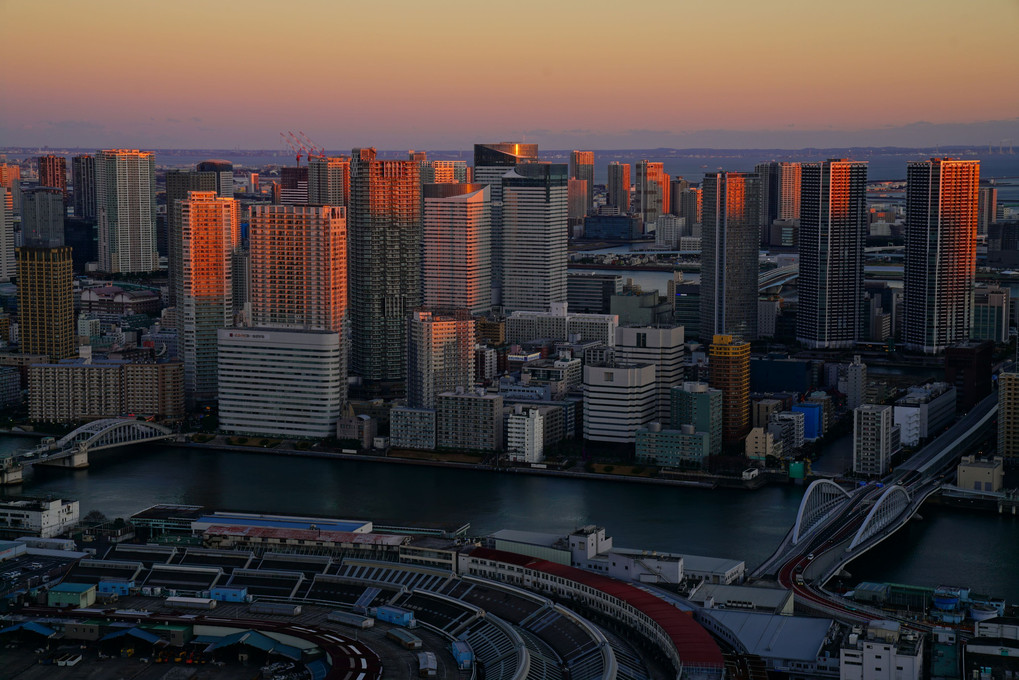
(32, 627)
(772, 636)
(694, 645)
(137, 633)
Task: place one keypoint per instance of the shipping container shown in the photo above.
(462, 653)
(427, 667)
(408, 640)
(348, 619)
(191, 602)
(396, 616)
(278, 608)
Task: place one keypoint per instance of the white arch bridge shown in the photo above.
(72, 449)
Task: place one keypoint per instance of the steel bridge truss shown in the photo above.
(100, 434)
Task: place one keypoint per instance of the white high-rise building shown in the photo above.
(456, 247)
(440, 355)
(126, 198)
(535, 234)
(872, 439)
(619, 399)
(662, 347)
(525, 434)
(210, 236)
(280, 383)
(491, 162)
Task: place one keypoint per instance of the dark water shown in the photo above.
(947, 546)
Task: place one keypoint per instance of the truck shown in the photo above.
(427, 667)
(406, 639)
(191, 602)
(277, 608)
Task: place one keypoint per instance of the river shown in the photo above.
(725, 523)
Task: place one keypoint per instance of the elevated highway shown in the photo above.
(834, 525)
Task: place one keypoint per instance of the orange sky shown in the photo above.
(446, 73)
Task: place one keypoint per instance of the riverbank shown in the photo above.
(696, 480)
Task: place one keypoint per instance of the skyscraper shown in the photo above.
(833, 232)
(42, 218)
(385, 263)
(780, 191)
(10, 179)
(456, 247)
(7, 263)
(293, 189)
(987, 208)
(582, 167)
(729, 366)
(83, 184)
(45, 286)
(126, 198)
(440, 355)
(298, 266)
(652, 191)
(210, 235)
(617, 189)
(729, 248)
(576, 201)
(224, 171)
(53, 173)
(328, 180)
(1008, 416)
(491, 162)
(179, 184)
(445, 172)
(941, 224)
(535, 236)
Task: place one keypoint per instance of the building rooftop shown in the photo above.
(529, 537)
(742, 596)
(282, 522)
(770, 636)
(306, 535)
(66, 587)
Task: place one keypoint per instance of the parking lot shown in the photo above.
(27, 571)
(23, 664)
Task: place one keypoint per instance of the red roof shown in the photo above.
(695, 646)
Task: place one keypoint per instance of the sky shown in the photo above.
(443, 74)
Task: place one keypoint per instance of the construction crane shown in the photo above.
(295, 145)
(310, 146)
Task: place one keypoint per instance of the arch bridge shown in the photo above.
(822, 499)
(889, 507)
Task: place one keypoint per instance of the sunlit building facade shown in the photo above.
(180, 183)
(385, 263)
(126, 198)
(440, 355)
(456, 247)
(53, 173)
(729, 248)
(729, 365)
(652, 191)
(833, 232)
(941, 230)
(46, 301)
(210, 236)
(582, 168)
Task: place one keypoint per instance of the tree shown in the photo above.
(94, 518)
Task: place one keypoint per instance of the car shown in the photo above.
(810, 556)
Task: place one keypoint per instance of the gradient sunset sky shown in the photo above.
(442, 74)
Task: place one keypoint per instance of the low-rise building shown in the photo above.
(924, 411)
(672, 448)
(362, 428)
(881, 652)
(981, 475)
(619, 399)
(560, 325)
(789, 427)
(74, 595)
(525, 436)
(469, 420)
(412, 428)
(760, 444)
(749, 598)
(75, 390)
(45, 518)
